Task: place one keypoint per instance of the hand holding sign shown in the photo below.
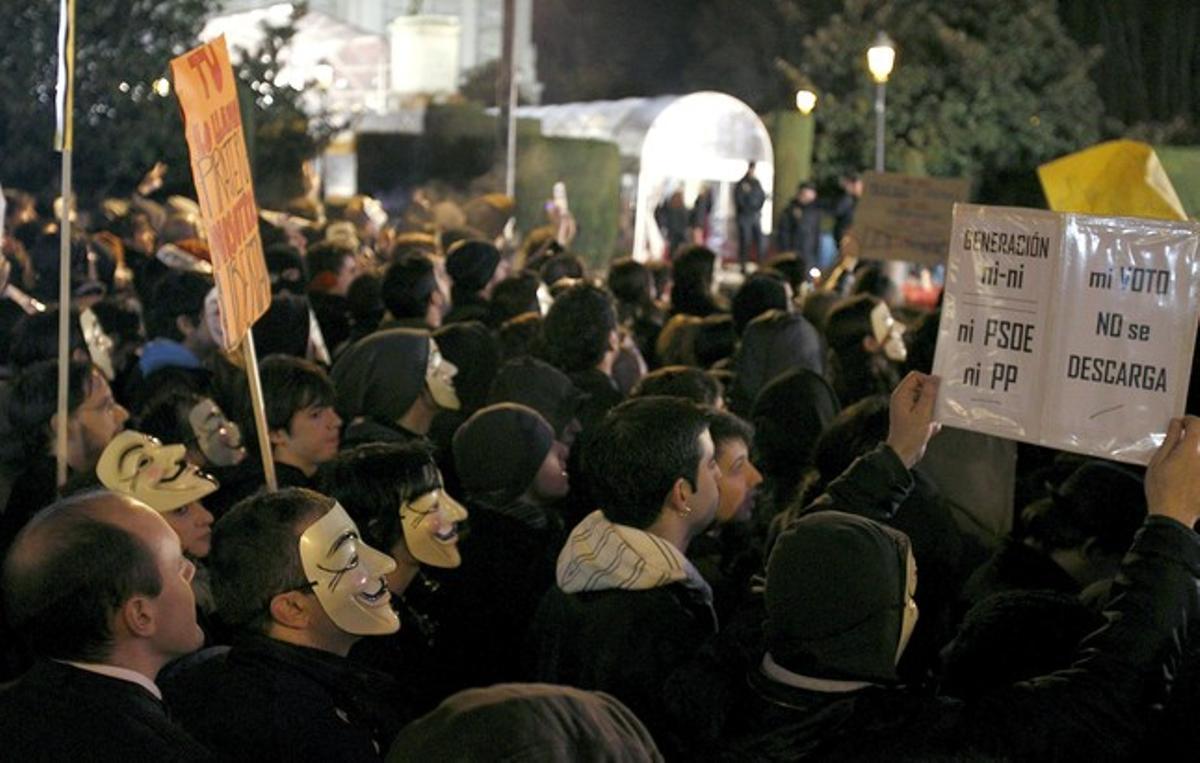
(1173, 477)
(910, 417)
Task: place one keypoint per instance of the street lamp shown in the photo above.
(806, 101)
(881, 57)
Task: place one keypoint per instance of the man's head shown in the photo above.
(176, 310)
(806, 193)
(476, 267)
(653, 456)
(332, 267)
(94, 416)
(750, 168)
(100, 577)
(733, 439)
(411, 290)
(292, 566)
(580, 329)
(305, 430)
(507, 452)
(682, 381)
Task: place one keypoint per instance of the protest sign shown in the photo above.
(1120, 177)
(207, 92)
(906, 218)
(1065, 330)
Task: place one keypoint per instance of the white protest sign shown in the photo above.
(1070, 331)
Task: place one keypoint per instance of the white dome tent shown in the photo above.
(673, 143)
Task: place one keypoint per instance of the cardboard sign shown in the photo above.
(207, 93)
(907, 218)
(1120, 177)
(1069, 331)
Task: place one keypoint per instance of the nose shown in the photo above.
(756, 477)
(204, 517)
(122, 414)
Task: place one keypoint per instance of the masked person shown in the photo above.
(391, 384)
(213, 442)
(294, 577)
(865, 344)
(141, 467)
(395, 494)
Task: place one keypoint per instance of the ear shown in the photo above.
(277, 436)
(870, 345)
(677, 499)
(137, 616)
(290, 609)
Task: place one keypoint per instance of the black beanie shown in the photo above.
(471, 264)
(835, 597)
(499, 450)
(541, 386)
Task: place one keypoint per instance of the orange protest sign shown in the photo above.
(207, 92)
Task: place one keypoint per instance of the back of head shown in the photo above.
(325, 258)
(631, 282)
(692, 271)
(760, 293)
(284, 328)
(68, 572)
(408, 284)
(256, 553)
(1100, 500)
(576, 329)
(471, 264)
(539, 385)
(498, 451)
(637, 454)
(373, 480)
(286, 266)
(716, 340)
(409, 244)
(176, 294)
(474, 350)
(521, 336)
(773, 343)
(790, 267)
(789, 416)
(515, 295)
(835, 596)
(35, 338)
(852, 432)
(382, 374)
(527, 722)
(560, 266)
(34, 401)
(689, 383)
(849, 321)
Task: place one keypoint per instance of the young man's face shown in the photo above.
(193, 524)
(312, 437)
(93, 424)
(707, 495)
(739, 479)
(552, 481)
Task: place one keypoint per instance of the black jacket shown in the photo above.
(1095, 710)
(267, 700)
(58, 712)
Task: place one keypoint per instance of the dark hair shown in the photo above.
(692, 270)
(577, 327)
(520, 336)
(326, 257)
(789, 267)
(284, 328)
(849, 321)
(408, 284)
(715, 340)
(471, 347)
(874, 281)
(680, 381)
(631, 283)
(35, 337)
(515, 295)
(371, 481)
(760, 293)
(560, 266)
(165, 416)
(60, 596)
(285, 265)
(853, 432)
(412, 244)
(34, 400)
(364, 299)
(120, 319)
(176, 293)
(638, 453)
(256, 553)
(289, 386)
(724, 426)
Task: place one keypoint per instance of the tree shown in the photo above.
(981, 88)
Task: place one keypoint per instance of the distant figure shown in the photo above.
(698, 219)
(843, 211)
(672, 217)
(799, 227)
(748, 199)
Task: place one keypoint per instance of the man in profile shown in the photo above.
(99, 590)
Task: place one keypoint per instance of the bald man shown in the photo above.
(98, 588)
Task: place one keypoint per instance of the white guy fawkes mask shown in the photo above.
(158, 475)
(212, 316)
(347, 575)
(100, 345)
(888, 333)
(430, 524)
(439, 376)
(220, 440)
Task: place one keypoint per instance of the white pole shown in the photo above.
(64, 320)
(260, 416)
(510, 167)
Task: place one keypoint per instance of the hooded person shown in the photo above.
(211, 439)
(395, 494)
(772, 344)
(294, 578)
(475, 267)
(391, 384)
(865, 345)
(513, 471)
(542, 387)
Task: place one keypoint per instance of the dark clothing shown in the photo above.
(748, 199)
(1016, 566)
(603, 395)
(843, 216)
(334, 318)
(508, 564)
(164, 366)
(1093, 711)
(34, 489)
(625, 643)
(267, 700)
(58, 712)
(367, 430)
(246, 479)
(800, 231)
(468, 307)
(773, 344)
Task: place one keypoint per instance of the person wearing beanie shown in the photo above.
(545, 389)
(391, 384)
(512, 472)
(475, 267)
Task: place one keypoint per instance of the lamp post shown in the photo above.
(881, 57)
(806, 101)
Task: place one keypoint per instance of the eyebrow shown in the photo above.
(126, 452)
(342, 539)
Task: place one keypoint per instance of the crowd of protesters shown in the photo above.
(531, 510)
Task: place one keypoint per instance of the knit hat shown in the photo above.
(382, 374)
(499, 450)
(540, 386)
(471, 264)
(835, 597)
